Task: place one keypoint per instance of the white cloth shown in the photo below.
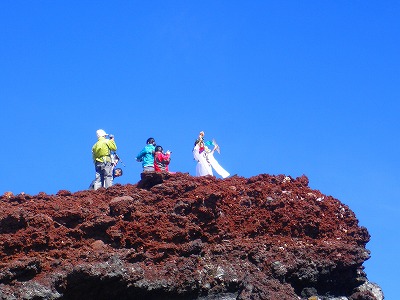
(217, 167)
(203, 167)
(206, 162)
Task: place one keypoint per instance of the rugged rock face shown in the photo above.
(183, 237)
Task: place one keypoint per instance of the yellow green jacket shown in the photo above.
(102, 148)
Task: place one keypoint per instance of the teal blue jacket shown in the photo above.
(146, 156)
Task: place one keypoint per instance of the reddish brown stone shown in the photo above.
(174, 236)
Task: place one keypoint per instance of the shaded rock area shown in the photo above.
(174, 236)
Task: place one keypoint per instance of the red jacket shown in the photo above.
(161, 162)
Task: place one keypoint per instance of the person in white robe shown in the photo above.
(204, 156)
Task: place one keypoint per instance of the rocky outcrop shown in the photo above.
(174, 236)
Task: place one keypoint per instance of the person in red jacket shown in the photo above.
(161, 160)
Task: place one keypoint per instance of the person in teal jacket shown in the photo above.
(101, 153)
(146, 156)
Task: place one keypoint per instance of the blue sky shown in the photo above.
(286, 87)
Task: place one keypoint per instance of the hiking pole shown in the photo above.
(119, 159)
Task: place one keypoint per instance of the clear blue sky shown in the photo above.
(286, 87)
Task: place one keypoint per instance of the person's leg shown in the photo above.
(91, 186)
(97, 182)
(148, 169)
(108, 175)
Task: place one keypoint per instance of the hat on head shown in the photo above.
(100, 133)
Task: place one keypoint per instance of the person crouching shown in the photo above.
(161, 160)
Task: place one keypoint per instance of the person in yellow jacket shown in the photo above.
(101, 152)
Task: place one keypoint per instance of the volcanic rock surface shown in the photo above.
(174, 236)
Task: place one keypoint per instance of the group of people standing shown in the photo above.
(152, 157)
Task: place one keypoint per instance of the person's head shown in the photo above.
(100, 133)
(200, 138)
(199, 142)
(117, 172)
(151, 141)
(158, 149)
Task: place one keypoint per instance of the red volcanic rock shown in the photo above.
(174, 236)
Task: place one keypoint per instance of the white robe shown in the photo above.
(216, 166)
(205, 163)
(203, 167)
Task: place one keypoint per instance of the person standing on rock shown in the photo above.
(117, 172)
(101, 153)
(203, 153)
(146, 156)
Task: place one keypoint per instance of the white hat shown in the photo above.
(100, 133)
